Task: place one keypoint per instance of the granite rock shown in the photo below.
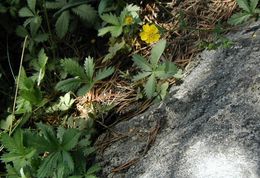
(209, 127)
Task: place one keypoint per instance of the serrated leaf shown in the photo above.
(238, 18)
(141, 75)
(70, 139)
(253, 5)
(115, 31)
(62, 24)
(149, 87)
(104, 73)
(55, 5)
(142, 63)
(157, 51)
(67, 160)
(163, 89)
(73, 68)
(89, 67)
(86, 12)
(84, 89)
(111, 19)
(67, 85)
(25, 12)
(31, 4)
(244, 5)
(49, 164)
(113, 50)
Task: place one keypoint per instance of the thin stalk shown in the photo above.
(18, 80)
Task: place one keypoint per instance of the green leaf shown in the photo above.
(115, 31)
(48, 166)
(41, 37)
(62, 24)
(67, 85)
(86, 12)
(157, 51)
(73, 68)
(67, 160)
(113, 50)
(89, 67)
(6, 124)
(238, 18)
(70, 139)
(34, 96)
(253, 5)
(35, 24)
(55, 5)
(104, 73)
(149, 87)
(42, 61)
(141, 75)
(163, 89)
(111, 19)
(142, 63)
(84, 89)
(31, 4)
(244, 5)
(25, 12)
(21, 31)
(93, 169)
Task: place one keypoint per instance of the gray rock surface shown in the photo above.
(209, 127)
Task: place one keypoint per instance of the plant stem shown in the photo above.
(18, 80)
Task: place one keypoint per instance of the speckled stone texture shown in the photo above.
(209, 125)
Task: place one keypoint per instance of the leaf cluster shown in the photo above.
(47, 153)
(153, 71)
(249, 8)
(84, 78)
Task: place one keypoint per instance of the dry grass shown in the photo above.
(200, 16)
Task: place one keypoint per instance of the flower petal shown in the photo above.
(143, 36)
(146, 27)
(153, 29)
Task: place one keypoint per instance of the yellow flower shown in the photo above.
(129, 20)
(150, 33)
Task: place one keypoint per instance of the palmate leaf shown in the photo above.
(62, 24)
(104, 73)
(157, 51)
(67, 161)
(239, 18)
(73, 68)
(243, 4)
(149, 87)
(67, 85)
(86, 12)
(142, 63)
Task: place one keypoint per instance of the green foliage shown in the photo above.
(83, 78)
(249, 8)
(117, 23)
(68, 11)
(64, 152)
(152, 71)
